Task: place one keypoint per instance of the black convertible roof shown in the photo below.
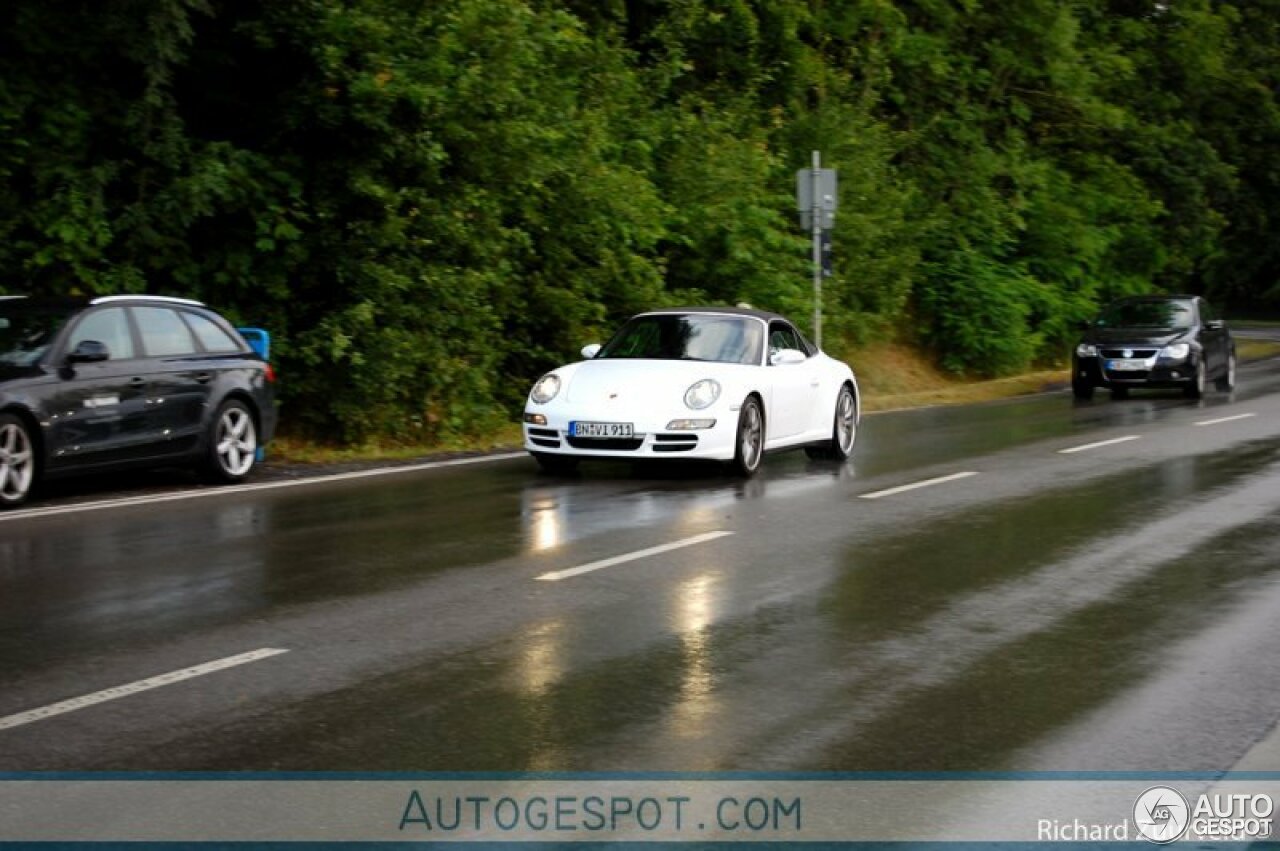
(731, 311)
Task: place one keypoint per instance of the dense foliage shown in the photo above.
(430, 201)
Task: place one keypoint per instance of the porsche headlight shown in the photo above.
(1177, 351)
(546, 389)
(1086, 350)
(703, 394)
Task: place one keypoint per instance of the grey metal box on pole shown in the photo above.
(816, 201)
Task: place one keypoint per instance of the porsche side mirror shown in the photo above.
(588, 352)
(787, 357)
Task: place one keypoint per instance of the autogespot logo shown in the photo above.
(1161, 814)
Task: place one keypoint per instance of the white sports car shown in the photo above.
(713, 383)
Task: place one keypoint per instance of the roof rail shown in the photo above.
(10, 297)
(171, 299)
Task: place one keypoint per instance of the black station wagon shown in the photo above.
(126, 381)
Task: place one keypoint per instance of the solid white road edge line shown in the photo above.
(557, 575)
(1100, 444)
(127, 689)
(924, 484)
(1224, 420)
(125, 502)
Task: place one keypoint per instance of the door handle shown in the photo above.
(137, 382)
(204, 377)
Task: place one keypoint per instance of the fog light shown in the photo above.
(689, 425)
(1176, 374)
(535, 419)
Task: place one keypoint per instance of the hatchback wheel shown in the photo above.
(750, 440)
(233, 443)
(1081, 389)
(1195, 389)
(17, 461)
(1227, 381)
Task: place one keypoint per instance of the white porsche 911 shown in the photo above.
(727, 384)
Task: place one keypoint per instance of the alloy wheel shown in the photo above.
(237, 441)
(846, 422)
(17, 462)
(751, 441)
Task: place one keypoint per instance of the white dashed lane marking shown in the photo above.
(557, 575)
(1100, 444)
(127, 689)
(1225, 419)
(915, 485)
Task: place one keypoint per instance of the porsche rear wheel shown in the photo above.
(844, 430)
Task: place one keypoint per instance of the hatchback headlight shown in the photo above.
(703, 394)
(1177, 351)
(1086, 350)
(546, 389)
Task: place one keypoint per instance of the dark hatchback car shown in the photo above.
(1154, 341)
(126, 381)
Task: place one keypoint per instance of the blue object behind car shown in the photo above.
(126, 381)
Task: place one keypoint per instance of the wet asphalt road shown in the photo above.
(1112, 608)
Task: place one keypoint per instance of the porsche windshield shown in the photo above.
(26, 331)
(675, 336)
(1147, 314)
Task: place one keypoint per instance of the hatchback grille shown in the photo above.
(1134, 375)
(1134, 353)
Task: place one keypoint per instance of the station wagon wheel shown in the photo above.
(17, 461)
(750, 440)
(233, 443)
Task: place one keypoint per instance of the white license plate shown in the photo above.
(601, 430)
(1131, 365)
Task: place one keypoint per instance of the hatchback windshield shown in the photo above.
(26, 331)
(1147, 314)
(673, 336)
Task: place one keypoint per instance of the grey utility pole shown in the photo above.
(816, 201)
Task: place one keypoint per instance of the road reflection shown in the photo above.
(696, 707)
